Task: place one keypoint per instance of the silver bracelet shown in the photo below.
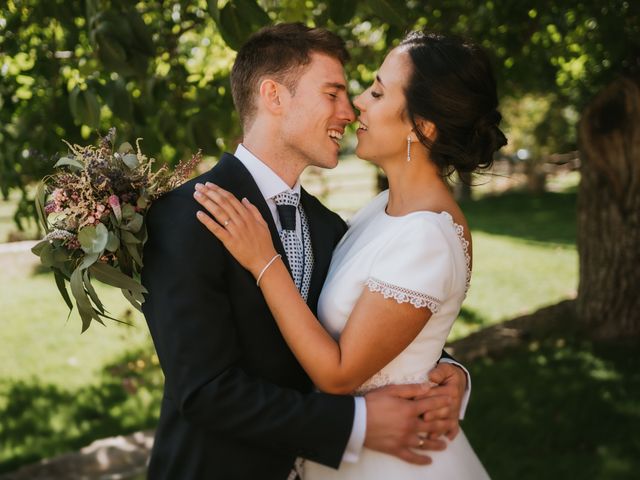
(277, 255)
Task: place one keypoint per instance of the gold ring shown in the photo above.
(421, 442)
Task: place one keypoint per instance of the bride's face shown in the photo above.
(384, 124)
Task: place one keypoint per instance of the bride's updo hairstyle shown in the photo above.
(452, 85)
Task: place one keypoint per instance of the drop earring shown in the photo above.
(408, 148)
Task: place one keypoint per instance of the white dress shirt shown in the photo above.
(270, 185)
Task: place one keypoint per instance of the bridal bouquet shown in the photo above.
(93, 213)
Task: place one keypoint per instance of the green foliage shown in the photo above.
(159, 69)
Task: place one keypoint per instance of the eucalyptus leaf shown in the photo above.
(92, 292)
(89, 259)
(82, 301)
(93, 239)
(114, 277)
(38, 247)
(62, 288)
(69, 162)
(125, 148)
(135, 224)
(46, 255)
(113, 242)
(133, 251)
(128, 211)
(128, 237)
(41, 193)
(130, 160)
(132, 300)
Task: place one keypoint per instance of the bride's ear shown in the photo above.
(427, 128)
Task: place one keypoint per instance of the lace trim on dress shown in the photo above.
(382, 379)
(465, 247)
(404, 295)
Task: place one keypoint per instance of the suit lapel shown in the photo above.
(239, 181)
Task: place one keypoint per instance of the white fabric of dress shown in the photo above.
(421, 258)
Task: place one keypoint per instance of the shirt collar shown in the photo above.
(268, 181)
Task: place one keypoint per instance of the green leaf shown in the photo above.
(214, 11)
(92, 292)
(38, 247)
(233, 27)
(70, 162)
(89, 259)
(82, 301)
(132, 299)
(93, 239)
(41, 193)
(46, 255)
(128, 237)
(89, 109)
(341, 11)
(130, 160)
(114, 277)
(134, 252)
(389, 11)
(135, 224)
(125, 148)
(128, 211)
(113, 242)
(62, 288)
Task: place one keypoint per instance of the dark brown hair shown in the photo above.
(452, 85)
(281, 51)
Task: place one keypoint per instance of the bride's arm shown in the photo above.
(377, 331)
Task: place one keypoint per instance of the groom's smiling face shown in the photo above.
(317, 112)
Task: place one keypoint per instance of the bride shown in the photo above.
(400, 274)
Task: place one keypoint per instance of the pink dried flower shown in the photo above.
(114, 202)
(50, 207)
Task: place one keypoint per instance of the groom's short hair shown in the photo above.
(282, 52)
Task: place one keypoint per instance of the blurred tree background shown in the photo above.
(568, 75)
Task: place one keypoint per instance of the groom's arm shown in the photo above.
(190, 318)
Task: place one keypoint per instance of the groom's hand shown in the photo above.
(395, 425)
(450, 381)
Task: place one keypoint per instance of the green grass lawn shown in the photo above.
(557, 408)
(59, 389)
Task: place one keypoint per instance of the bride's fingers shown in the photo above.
(218, 206)
(223, 217)
(410, 456)
(220, 232)
(227, 200)
(426, 443)
(254, 211)
(441, 413)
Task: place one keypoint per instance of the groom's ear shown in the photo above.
(271, 95)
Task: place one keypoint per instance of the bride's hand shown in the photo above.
(238, 225)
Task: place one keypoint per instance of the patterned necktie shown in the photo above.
(298, 250)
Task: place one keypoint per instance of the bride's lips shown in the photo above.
(362, 127)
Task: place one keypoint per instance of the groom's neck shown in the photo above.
(280, 160)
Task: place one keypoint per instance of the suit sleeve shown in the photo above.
(190, 319)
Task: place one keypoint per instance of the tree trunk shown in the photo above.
(609, 213)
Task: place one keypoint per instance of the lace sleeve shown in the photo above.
(415, 266)
(404, 295)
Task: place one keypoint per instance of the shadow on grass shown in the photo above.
(549, 217)
(562, 408)
(41, 420)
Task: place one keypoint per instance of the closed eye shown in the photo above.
(375, 94)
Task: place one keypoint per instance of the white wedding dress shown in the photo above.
(421, 258)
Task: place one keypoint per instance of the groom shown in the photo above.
(237, 405)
